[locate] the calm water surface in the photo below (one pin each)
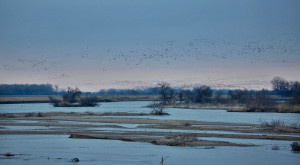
(176, 114)
(36, 149)
(59, 149)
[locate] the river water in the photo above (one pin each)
(175, 113)
(59, 149)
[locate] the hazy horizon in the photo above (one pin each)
(137, 43)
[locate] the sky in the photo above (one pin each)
(101, 44)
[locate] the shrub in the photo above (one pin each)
(187, 124)
(157, 108)
(295, 146)
(9, 154)
(180, 140)
(72, 95)
(29, 114)
(75, 160)
(40, 115)
(89, 101)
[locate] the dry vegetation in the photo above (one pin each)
(280, 126)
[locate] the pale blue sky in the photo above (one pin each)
(95, 44)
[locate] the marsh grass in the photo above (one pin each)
(279, 125)
(180, 140)
(288, 108)
(187, 124)
(29, 114)
(7, 115)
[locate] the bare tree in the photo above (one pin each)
(202, 94)
(281, 86)
(241, 96)
(295, 91)
(188, 96)
(72, 95)
(158, 108)
(262, 100)
(166, 92)
(218, 96)
(181, 95)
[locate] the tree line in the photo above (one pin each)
(257, 98)
(28, 89)
(167, 93)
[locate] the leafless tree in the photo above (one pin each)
(157, 108)
(295, 92)
(281, 86)
(166, 92)
(181, 96)
(202, 94)
(72, 95)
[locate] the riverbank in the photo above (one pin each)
(280, 108)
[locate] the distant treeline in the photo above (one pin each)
(48, 89)
(28, 89)
(281, 87)
(129, 92)
(152, 91)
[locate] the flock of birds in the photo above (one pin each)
(174, 53)
(203, 50)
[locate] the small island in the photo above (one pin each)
(72, 98)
